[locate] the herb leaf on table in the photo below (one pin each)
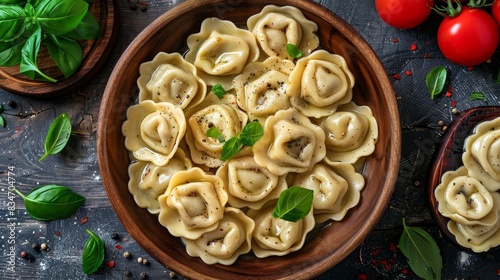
(93, 253)
(421, 252)
(57, 136)
(435, 80)
(51, 202)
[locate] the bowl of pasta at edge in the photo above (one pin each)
(324, 247)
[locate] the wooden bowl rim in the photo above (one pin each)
(395, 139)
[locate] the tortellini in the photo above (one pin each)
(193, 203)
(319, 83)
(291, 143)
(469, 196)
(313, 136)
(148, 181)
(248, 184)
(220, 51)
(275, 27)
(275, 236)
(153, 131)
(351, 133)
(336, 189)
(228, 119)
(232, 238)
(481, 156)
(261, 89)
(170, 78)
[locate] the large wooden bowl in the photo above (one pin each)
(328, 246)
(95, 54)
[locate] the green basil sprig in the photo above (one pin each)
(421, 252)
(219, 91)
(51, 202)
(294, 204)
(435, 80)
(214, 132)
(58, 135)
(293, 51)
(93, 253)
(477, 95)
(57, 24)
(250, 134)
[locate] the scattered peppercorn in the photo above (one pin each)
(43, 246)
(144, 275)
(395, 40)
(24, 254)
(111, 264)
(145, 261)
(445, 128)
(115, 236)
(139, 260)
(127, 273)
(172, 275)
(133, 6)
(441, 123)
(144, 8)
(127, 254)
(35, 246)
(454, 111)
(417, 183)
(57, 233)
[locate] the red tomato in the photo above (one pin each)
(404, 14)
(468, 39)
(495, 11)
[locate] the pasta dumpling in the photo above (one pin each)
(351, 133)
(275, 27)
(481, 154)
(248, 184)
(220, 51)
(148, 181)
(225, 243)
(193, 203)
(275, 236)
(319, 83)
(465, 200)
(170, 78)
(153, 131)
(291, 143)
(261, 87)
(228, 119)
(336, 189)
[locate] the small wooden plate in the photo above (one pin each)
(449, 156)
(95, 53)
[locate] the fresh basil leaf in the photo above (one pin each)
(12, 22)
(29, 52)
(58, 135)
(294, 204)
(219, 91)
(66, 53)
(88, 28)
(231, 148)
(293, 51)
(17, 2)
(421, 252)
(59, 17)
(93, 253)
(476, 95)
(2, 121)
(11, 52)
(51, 202)
(251, 133)
(435, 80)
(214, 132)
(29, 10)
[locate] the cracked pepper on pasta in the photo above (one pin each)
(468, 196)
(314, 136)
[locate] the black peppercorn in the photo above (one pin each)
(115, 236)
(144, 275)
(11, 103)
(133, 6)
(127, 273)
(144, 8)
